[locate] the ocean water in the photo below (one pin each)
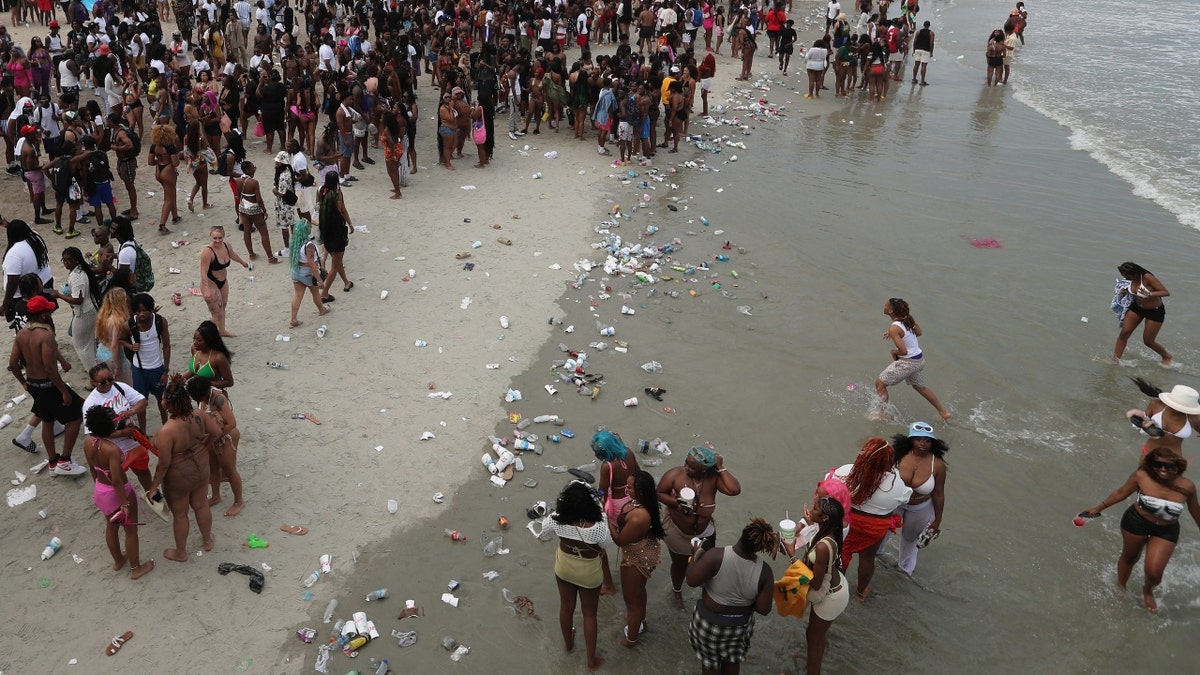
(839, 208)
(1128, 91)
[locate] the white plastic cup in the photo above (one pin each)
(787, 530)
(687, 497)
(383, 295)
(5, 421)
(631, 402)
(325, 561)
(504, 322)
(449, 599)
(393, 506)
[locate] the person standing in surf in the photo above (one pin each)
(1148, 293)
(908, 361)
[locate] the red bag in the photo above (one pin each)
(259, 130)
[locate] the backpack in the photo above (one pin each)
(143, 269)
(98, 169)
(695, 17)
(135, 335)
(133, 138)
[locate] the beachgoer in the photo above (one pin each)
(582, 531)
(1147, 292)
(921, 463)
(736, 585)
(164, 159)
(1169, 417)
(908, 361)
(703, 474)
(252, 212)
(112, 494)
(335, 228)
(223, 461)
(112, 326)
(34, 362)
(126, 403)
(1151, 523)
(210, 357)
(84, 299)
(786, 45)
(1010, 48)
(150, 345)
(876, 492)
(922, 53)
(305, 261)
(617, 463)
(994, 53)
(637, 529)
(183, 445)
(816, 60)
(828, 593)
(214, 277)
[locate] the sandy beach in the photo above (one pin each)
(829, 210)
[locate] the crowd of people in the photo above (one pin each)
(890, 486)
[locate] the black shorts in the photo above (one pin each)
(1158, 314)
(646, 32)
(48, 404)
(1136, 524)
(995, 61)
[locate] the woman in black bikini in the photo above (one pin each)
(253, 213)
(213, 277)
(1148, 293)
(164, 157)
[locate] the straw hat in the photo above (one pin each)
(1182, 398)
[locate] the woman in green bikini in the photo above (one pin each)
(210, 356)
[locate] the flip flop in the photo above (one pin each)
(294, 529)
(117, 642)
(655, 392)
(582, 475)
(255, 541)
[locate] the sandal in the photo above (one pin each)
(118, 642)
(72, 234)
(349, 288)
(655, 392)
(294, 529)
(255, 541)
(273, 260)
(58, 229)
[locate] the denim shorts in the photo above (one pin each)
(148, 381)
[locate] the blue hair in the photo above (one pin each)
(608, 447)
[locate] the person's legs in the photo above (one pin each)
(199, 503)
(933, 400)
(817, 638)
(228, 466)
(247, 223)
(260, 224)
(137, 568)
(1131, 551)
(179, 526)
(633, 589)
(1158, 554)
(297, 296)
(1149, 333)
(113, 541)
(1128, 325)
(866, 570)
(679, 565)
(566, 612)
(589, 600)
(315, 291)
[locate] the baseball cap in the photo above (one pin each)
(38, 304)
(54, 24)
(104, 50)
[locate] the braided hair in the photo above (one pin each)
(759, 537)
(901, 313)
(874, 461)
(644, 492)
(175, 398)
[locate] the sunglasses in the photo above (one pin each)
(1165, 466)
(922, 427)
(110, 380)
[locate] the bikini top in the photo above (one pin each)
(1163, 509)
(1184, 432)
(931, 482)
(107, 475)
(205, 370)
(216, 265)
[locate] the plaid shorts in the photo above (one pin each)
(716, 644)
(127, 169)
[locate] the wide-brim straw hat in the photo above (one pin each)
(1182, 398)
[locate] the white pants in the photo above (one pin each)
(83, 336)
(915, 520)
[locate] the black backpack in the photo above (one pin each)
(135, 334)
(134, 139)
(98, 168)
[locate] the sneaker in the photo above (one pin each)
(520, 133)
(69, 468)
(31, 447)
(512, 135)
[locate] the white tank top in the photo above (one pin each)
(910, 342)
(66, 77)
(149, 354)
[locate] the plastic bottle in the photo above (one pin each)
(522, 444)
(462, 651)
(329, 610)
(322, 330)
(277, 365)
(524, 423)
(43, 514)
(489, 463)
(51, 548)
(337, 630)
(312, 579)
(377, 594)
(651, 461)
(283, 338)
(382, 668)
(455, 535)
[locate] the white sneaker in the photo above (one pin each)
(71, 468)
(512, 135)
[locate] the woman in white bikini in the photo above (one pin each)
(920, 461)
(1169, 417)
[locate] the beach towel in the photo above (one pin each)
(1121, 301)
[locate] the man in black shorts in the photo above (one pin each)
(36, 349)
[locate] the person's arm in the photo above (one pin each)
(50, 357)
(130, 413)
(116, 474)
(1193, 505)
(702, 566)
(165, 339)
(163, 442)
(1156, 287)
(939, 494)
(235, 257)
(205, 262)
(220, 403)
(222, 373)
(665, 487)
(637, 524)
(726, 483)
(345, 216)
(14, 365)
(931, 43)
(766, 591)
(1116, 496)
(312, 263)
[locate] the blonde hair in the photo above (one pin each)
(113, 313)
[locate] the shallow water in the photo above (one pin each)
(835, 218)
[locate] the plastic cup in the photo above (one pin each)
(787, 530)
(325, 560)
(631, 402)
(393, 506)
(5, 421)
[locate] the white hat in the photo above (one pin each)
(283, 158)
(1183, 399)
